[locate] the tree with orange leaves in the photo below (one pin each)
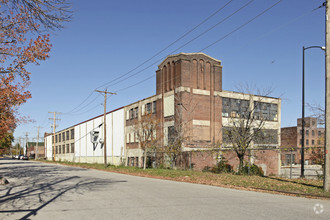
(24, 40)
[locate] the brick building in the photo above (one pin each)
(189, 94)
(33, 150)
(291, 140)
(189, 108)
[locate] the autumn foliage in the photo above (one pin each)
(21, 43)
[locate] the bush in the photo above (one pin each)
(252, 170)
(220, 167)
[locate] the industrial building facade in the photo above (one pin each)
(291, 139)
(190, 103)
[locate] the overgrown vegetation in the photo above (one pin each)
(252, 170)
(221, 167)
(296, 186)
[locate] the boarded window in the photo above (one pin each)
(148, 108)
(235, 108)
(154, 107)
(265, 111)
(267, 136)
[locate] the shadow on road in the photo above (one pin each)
(34, 186)
(292, 181)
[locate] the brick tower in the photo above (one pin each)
(189, 85)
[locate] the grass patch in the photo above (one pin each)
(294, 186)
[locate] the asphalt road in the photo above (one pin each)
(46, 191)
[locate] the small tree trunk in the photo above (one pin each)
(241, 162)
(145, 159)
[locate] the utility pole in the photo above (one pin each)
(26, 143)
(105, 92)
(18, 151)
(54, 128)
(326, 183)
(37, 147)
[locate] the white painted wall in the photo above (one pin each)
(48, 147)
(86, 151)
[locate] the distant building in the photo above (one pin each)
(291, 141)
(33, 150)
(188, 91)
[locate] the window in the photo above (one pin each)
(67, 135)
(67, 148)
(319, 133)
(72, 148)
(313, 133)
(131, 113)
(307, 142)
(313, 142)
(63, 136)
(307, 132)
(136, 114)
(59, 137)
(59, 149)
(55, 138)
(63, 149)
(56, 149)
(148, 108)
(265, 111)
(318, 142)
(72, 134)
(235, 108)
(170, 134)
(267, 136)
(154, 107)
(137, 161)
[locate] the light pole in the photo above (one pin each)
(302, 175)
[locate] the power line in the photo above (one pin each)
(81, 103)
(150, 77)
(209, 29)
(178, 39)
(88, 104)
(181, 37)
(241, 26)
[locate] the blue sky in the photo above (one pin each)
(107, 39)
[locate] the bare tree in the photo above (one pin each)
(145, 133)
(24, 25)
(318, 112)
(246, 125)
(50, 14)
(178, 134)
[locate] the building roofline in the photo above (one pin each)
(94, 118)
(102, 115)
(290, 127)
(188, 54)
(251, 94)
(140, 100)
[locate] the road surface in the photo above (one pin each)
(47, 191)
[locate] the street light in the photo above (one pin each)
(302, 175)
